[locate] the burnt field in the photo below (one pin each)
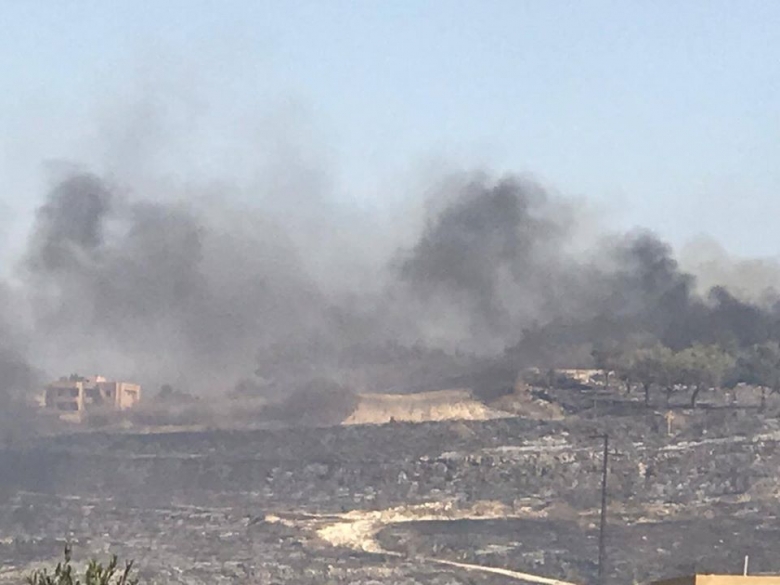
(394, 503)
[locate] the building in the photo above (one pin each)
(72, 397)
(722, 580)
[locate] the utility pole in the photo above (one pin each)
(603, 524)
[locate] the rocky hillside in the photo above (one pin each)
(516, 494)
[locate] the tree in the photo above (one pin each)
(759, 365)
(624, 369)
(95, 573)
(702, 366)
(624, 359)
(649, 366)
(606, 357)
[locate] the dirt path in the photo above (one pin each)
(527, 577)
(357, 530)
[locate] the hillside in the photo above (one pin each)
(405, 502)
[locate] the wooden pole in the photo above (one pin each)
(603, 523)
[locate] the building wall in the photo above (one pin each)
(65, 396)
(109, 392)
(127, 395)
(75, 397)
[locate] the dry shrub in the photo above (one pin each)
(19, 422)
(246, 411)
(161, 415)
(102, 419)
(319, 402)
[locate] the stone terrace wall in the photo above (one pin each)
(376, 467)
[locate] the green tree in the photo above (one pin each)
(759, 365)
(649, 366)
(626, 355)
(94, 573)
(624, 369)
(702, 366)
(606, 357)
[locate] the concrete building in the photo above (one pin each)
(72, 397)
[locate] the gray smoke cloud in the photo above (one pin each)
(203, 292)
(750, 279)
(499, 253)
(17, 375)
(171, 288)
(488, 240)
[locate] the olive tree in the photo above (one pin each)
(648, 366)
(606, 357)
(759, 365)
(702, 366)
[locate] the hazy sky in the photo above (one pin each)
(664, 113)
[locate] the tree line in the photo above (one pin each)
(694, 369)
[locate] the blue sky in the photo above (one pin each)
(664, 114)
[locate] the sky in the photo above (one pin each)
(658, 113)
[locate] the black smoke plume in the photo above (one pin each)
(163, 287)
(200, 294)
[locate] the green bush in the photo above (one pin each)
(95, 573)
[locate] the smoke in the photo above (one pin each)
(203, 291)
(499, 256)
(186, 292)
(749, 279)
(70, 223)
(488, 247)
(17, 375)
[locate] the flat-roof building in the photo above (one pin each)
(72, 397)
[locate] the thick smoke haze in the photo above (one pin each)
(203, 292)
(489, 254)
(750, 279)
(162, 290)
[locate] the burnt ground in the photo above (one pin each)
(251, 506)
(565, 550)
